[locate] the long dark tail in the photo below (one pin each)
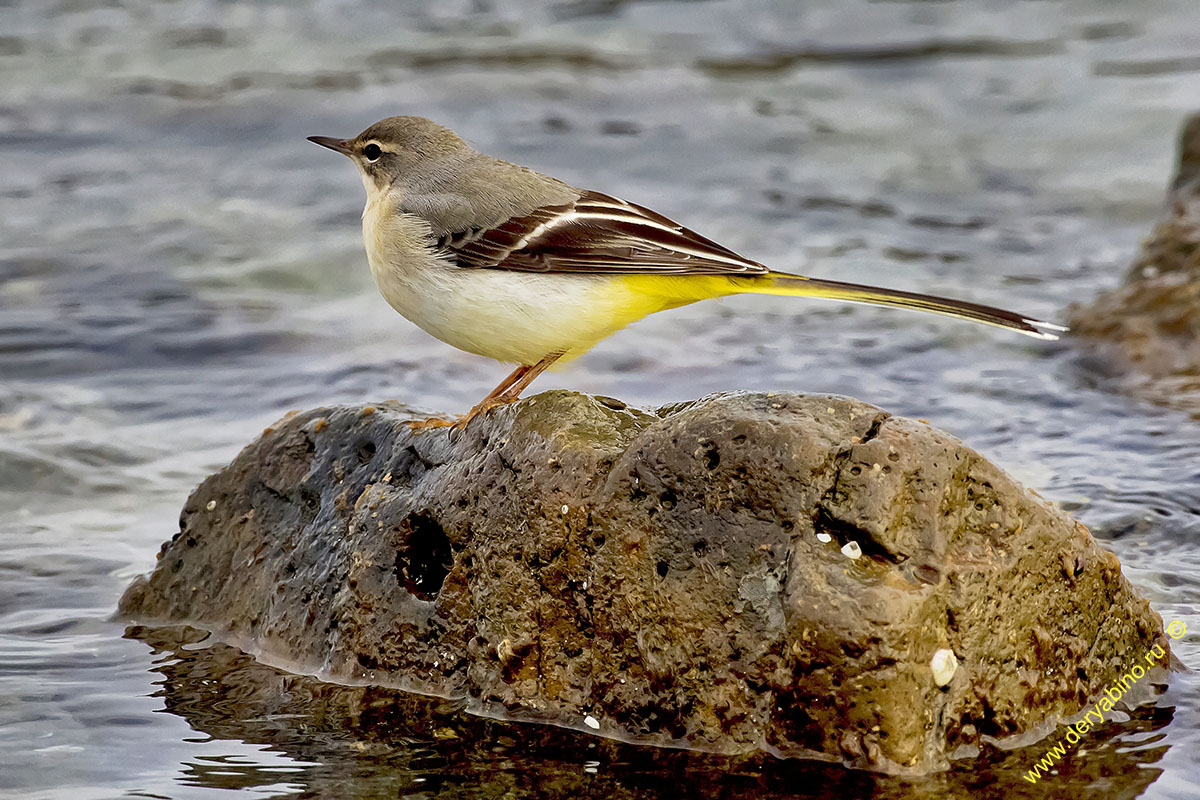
(783, 283)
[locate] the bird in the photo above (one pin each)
(500, 260)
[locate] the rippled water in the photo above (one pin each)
(178, 267)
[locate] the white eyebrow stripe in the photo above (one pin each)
(573, 215)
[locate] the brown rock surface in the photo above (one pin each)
(1149, 327)
(662, 577)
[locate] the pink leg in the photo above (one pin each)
(509, 391)
(489, 401)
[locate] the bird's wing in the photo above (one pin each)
(595, 234)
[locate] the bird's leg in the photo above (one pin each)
(513, 392)
(509, 391)
(487, 402)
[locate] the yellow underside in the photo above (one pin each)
(627, 298)
(647, 294)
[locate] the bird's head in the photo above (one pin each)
(397, 147)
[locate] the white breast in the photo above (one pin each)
(509, 316)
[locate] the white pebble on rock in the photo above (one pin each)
(944, 664)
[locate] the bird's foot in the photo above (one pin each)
(415, 425)
(461, 422)
(483, 408)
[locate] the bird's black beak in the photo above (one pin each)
(340, 145)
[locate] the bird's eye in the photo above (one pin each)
(372, 152)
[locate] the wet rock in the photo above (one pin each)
(678, 577)
(1148, 329)
(386, 744)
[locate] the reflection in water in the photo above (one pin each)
(373, 742)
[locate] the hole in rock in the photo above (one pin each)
(311, 500)
(844, 532)
(423, 555)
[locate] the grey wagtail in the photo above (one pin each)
(498, 260)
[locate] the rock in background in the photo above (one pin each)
(1148, 329)
(744, 573)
